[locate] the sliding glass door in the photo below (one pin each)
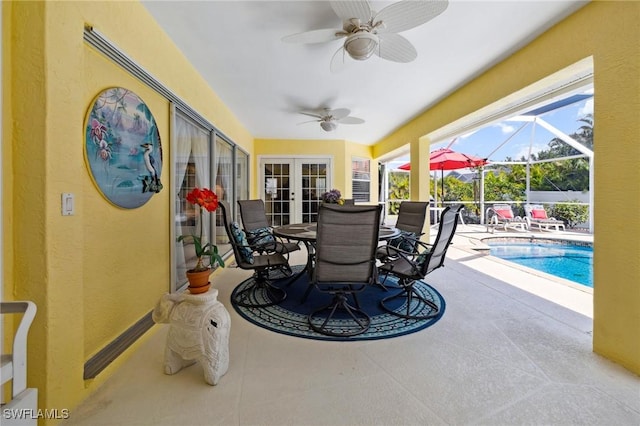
(202, 158)
(191, 165)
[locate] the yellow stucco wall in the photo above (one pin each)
(68, 264)
(104, 260)
(609, 33)
(93, 274)
(616, 52)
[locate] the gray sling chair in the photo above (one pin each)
(410, 222)
(346, 243)
(410, 267)
(257, 229)
(262, 293)
(411, 217)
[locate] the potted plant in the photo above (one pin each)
(203, 199)
(332, 197)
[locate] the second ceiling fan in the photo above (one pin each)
(329, 118)
(367, 32)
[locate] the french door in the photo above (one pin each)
(291, 188)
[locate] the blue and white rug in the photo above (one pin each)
(290, 316)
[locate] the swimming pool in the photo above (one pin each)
(566, 260)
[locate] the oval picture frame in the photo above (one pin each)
(122, 150)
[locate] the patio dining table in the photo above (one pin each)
(307, 234)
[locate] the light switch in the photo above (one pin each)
(67, 204)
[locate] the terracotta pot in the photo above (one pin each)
(199, 290)
(199, 281)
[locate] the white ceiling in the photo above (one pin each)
(236, 46)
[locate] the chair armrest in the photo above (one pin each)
(19, 350)
(403, 256)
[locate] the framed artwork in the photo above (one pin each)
(122, 148)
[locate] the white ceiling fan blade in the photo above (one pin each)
(338, 62)
(352, 9)
(405, 15)
(351, 120)
(315, 36)
(310, 121)
(311, 114)
(339, 113)
(394, 47)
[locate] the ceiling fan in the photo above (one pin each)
(368, 32)
(329, 118)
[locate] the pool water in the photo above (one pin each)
(567, 261)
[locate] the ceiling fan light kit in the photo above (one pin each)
(361, 45)
(328, 126)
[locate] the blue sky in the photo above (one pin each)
(486, 142)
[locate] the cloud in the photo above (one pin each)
(586, 109)
(505, 128)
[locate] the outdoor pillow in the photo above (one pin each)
(538, 214)
(504, 213)
(421, 259)
(261, 237)
(245, 252)
(405, 241)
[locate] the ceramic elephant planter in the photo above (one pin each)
(198, 332)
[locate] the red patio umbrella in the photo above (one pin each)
(447, 159)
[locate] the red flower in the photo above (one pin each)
(207, 200)
(204, 198)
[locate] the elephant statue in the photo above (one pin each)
(199, 327)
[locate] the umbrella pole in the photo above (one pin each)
(442, 183)
(435, 190)
(482, 218)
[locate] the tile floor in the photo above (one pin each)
(512, 348)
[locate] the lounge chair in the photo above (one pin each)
(536, 216)
(500, 216)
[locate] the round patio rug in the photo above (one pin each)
(290, 316)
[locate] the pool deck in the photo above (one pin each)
(469, 250)
(472, 236)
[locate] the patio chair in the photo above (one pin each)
(536, 215)
(14, 364)
(409, 268)
(500, 216)
(257, 229)
(346, 243)
(411, 217)
(262, 293)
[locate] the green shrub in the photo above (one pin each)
(571, 214)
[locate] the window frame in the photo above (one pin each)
(357, 175)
